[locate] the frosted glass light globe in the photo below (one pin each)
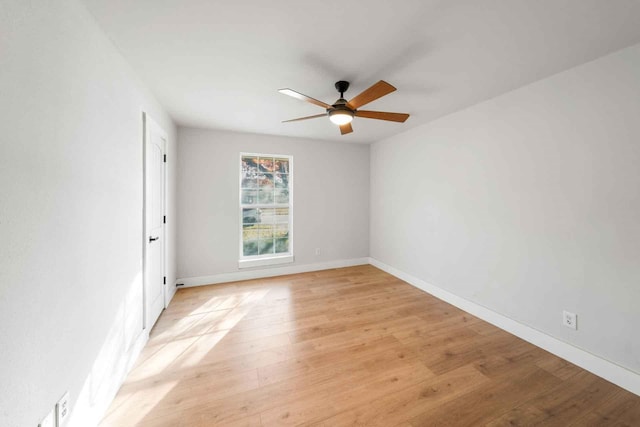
(341, 117)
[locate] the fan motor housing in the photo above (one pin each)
(340, 105)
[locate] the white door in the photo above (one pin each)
(155, 142)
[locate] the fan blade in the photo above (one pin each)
(302, 97)
(381, 115)
(345, 129)
(376, 91)
(305, 118)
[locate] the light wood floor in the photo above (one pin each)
(352, 346)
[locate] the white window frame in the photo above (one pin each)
(268, 259)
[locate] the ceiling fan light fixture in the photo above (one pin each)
(340, 117)
(342, 111)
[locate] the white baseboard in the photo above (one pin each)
(269, 272)
(610, 371)
(170, 293)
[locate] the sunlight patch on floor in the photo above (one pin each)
(139, 404)
(185, 337)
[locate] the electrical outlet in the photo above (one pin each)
(317, 251)
(62, 409)
(48, 421)
(570, 320)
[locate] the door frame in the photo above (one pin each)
(147, 125)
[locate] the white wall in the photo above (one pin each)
(527, 204)
(331, 199)
(70, 210)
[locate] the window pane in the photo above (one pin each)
(249, 197)
(281, 215)
(250, 182)
(249, 167)
(250, 216)
(266, 231)
(281, 230)
(267, 215)
(250, 232)
(265, 196)
(265, 180)
(281, 180)
(281, 165)
(250, 248)
(266, 164)
(265, 246)
(281, 196)
(249, 172)
(282, 245)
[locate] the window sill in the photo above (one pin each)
(248, 263)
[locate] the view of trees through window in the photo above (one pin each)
(265, 205)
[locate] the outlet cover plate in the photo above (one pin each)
(570, 320)
(62, 409)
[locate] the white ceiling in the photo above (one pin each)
(219, 64)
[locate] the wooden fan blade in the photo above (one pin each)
(345, 129)
(376, 91)
(302, 97)
(305, 118)
(381, 115)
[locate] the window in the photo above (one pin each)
(265, 209)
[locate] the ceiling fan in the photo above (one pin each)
(342, 111)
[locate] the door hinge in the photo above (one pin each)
(164, 159)
(164, 219)
(164, 280)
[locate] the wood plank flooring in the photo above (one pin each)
(347, 347)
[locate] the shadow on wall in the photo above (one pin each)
(123, 343)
